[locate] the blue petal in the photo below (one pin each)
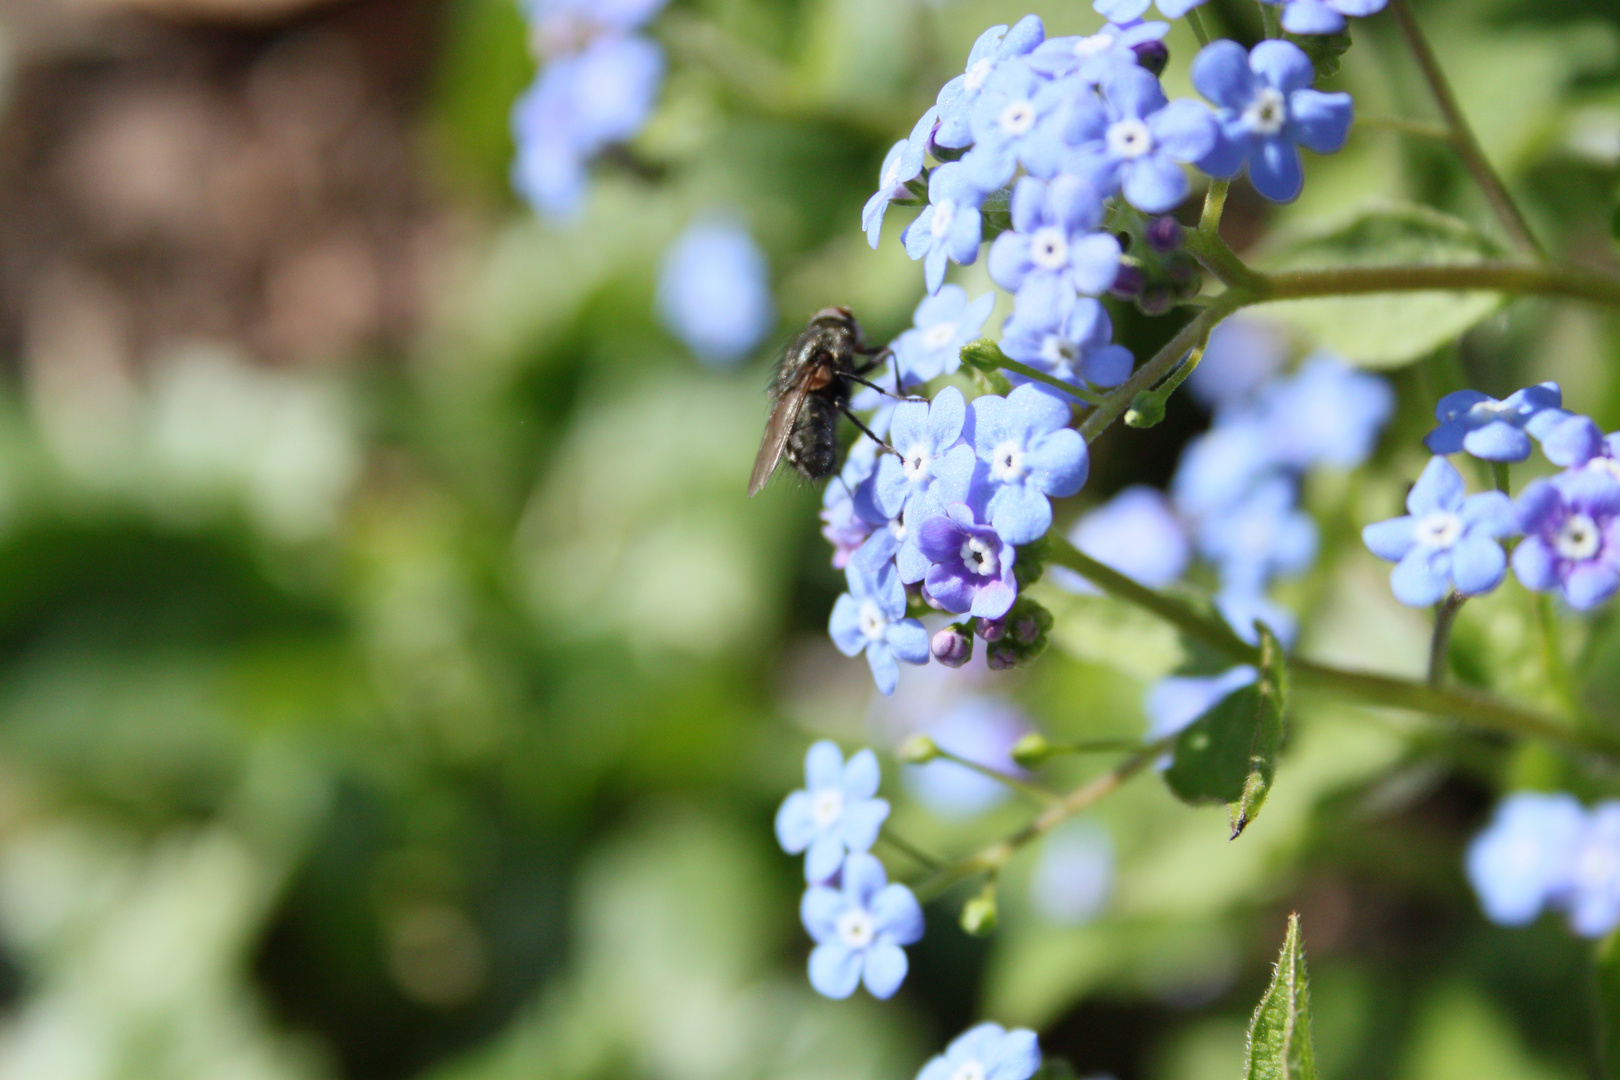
(860, 778)
(1275, 169)
(1419, 579)
(1535, 565)
(1478, 564)
(1016, 1058)
(1020, 514)
(824, 859)
(1438, 487)
(1590, 584)
(897, 916)
(1058, 463)
(1311, 17)
(862, 822)
(1391, 539)
(1497, 441)
(1490, 513)
(1573, 442)
(885, 673)
(1184, 129)
(1282, 65)
(1320, 122)
(885, 969)
(835, 969)
(1154, 183)
(795, 829)
(1094, 262)
(909, 641)
(1221, 73)
(819, 911)
(823, 765)
(1120, 11)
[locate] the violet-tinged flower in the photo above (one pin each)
(1079, 349)
(957, 97)
(1121, 10)
(972, 571)
(942, 324)
(1074, 874)
(1495, 430)
(980, 728)
(859, 929)
(714, 291)
(1012, 125)
(1326, 413)
(842, 527)
(1524, 859)
(903, 162)
(1575, 442)
(1323, 16)
(1242, 354)
(986, 1052)
(871, 617)
(1594, 874)
(835, 813)
(896, 541)
(1030, 453)
(1137, 533)
(1571, 526)
(929, 457)
(1446, 540)
(1135, 140)
(948, 227)
(1055, 251)
(1260, 537)
(1089, 58)
(1267, 111)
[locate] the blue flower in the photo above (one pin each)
(1030, 453)
(1575, 442)
(1090, 58)
(1523, 860)
(948, 227)
(1074, 874)
(1327, 413)
(859, 930)
(1012, 125)
(871, 617)
(1054, 251)
(1495, 430)
(1267, 110)
(1244, 603)
(848, 521)
(1323, 16)
(987, 1052)
(930, 459)
(1262, 536)
(1446, 540)
(565, 25)
(1134, 139)
(835, 813)
(714, 291)
(1219, 466)
(957, 97)
(896, 542)
(972, 567)
(1123, 10)
(1594, 876)
(1078, 349)
(1571, 526)
(942, 324)
(978, 727)
(549, 169)
(1137, 533)
(1242, 354)
(903, 162)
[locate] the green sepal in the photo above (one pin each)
(1325, 50)
(1031, 562)
(1280, 1045)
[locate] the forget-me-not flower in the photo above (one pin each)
(896, 542)
(1571, 526)
(1089, 58)
(972, 567)
(1055, 251)
(1137, 533)
(1135, 140)
(1326, 413)
(986, 1052)
(1576, 442)
(930, 457)
(871, 618)
(714, 291)
(847, 510)
(1218, 467)
(1123, 10)
(957, 97)
(1267, 111)
(1495, 430)
(1241, 356)
(859, 929)
(1074, 874)
(1261, 536)
(903, 162)
(941, 325)
(835, 813)
(1524, 859)
(948, 227)
(1594, 877)
(1029, 453)
(1448, 539)
(1323, 16)
(1077, 349)
(1012, 125)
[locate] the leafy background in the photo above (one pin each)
(395, 683)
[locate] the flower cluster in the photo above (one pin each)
(1546, 851)
(1298, 16)
(1567, 525)
(595, 88)
(858, 920)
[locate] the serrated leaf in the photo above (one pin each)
(1608, 1003)
(1280, 1033)
(1387, 330)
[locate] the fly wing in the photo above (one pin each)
(777, 430)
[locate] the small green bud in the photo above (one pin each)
(1031, 750)
(982, 355)
(917, 750)
(1147, 410)
(979, 913)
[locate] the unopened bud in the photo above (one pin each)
(1156, 300)
(1001, 655)
(979, 913)
(1031, 750)
(1153, 55)
(1128, 282)
(951, 647)
(1164, 234)
(1147, 410)
(991, 629)
(1025, 630)
(917, 750)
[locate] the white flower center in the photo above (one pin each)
(1058, 350)
(1491, 410)
(1439, 529)
(980, 557)
(855, 928)
(972, 1069)
(1087, 47)
(916, 462)
(1267, 113)
(939, 335)
(944, 215)
(826, 807)
(1049, 248)
(1129, 139)
(1578, 538)
(1017, 118)
(873, 621)
(975, 76)
(1007, 463)
(1606, 464)
(897, 529)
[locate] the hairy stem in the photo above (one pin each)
(1162, 363)
(910, 850)
(1445, 615)
(1007, 363)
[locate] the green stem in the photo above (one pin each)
(910, 850)
(1024, 787)
(1422, 129)
(1445, 616)
(1099, 746)
(1007, 363)
(1499, 476)
(1214, 205)
(1462, 136)
(1552, 651)
(1162, 363)
(1208, 248)
(1271, 20)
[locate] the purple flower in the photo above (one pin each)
(1445, 540)
(1575, 442)
(972, 571)
(836, 811)
(1090, 58)
(957, 97)
(1523, 860)
(930, 459)
(1078, 349)
(1134, 139)
(1030, 453)
(1260, 537)
(1012, 124)
(1571, 526)
(871, 617)
(859, 930)
(1137, 533)
(714, 291)
(903, 162)
(1267, 111)
(1495, 430)
(948, 227)
(1323, 16)
(942, 324)
(1054, 251)
(844, 528)
(987, 1052)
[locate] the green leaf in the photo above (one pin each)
(1280, 1033)
(1273, 690)
(1387, 330)
(1608, 1003)
(1324, 50)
